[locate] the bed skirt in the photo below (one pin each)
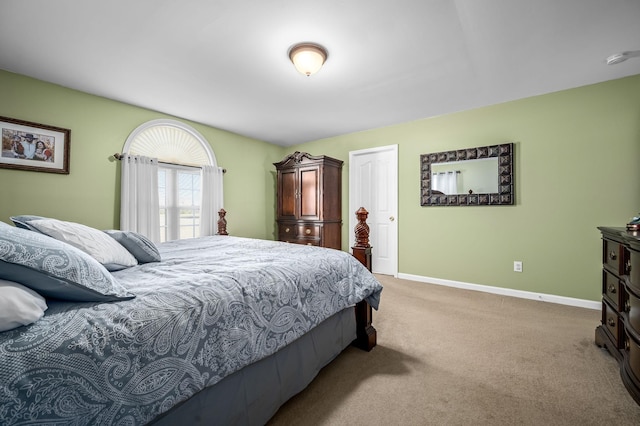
(252, 395)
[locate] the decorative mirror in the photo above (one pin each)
(480, 176)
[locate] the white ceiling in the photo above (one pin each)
(224, 63)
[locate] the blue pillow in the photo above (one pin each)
(22, 221)
(141, 247)
(54, 268)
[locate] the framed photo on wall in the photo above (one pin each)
(33, 146)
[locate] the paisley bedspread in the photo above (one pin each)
(212, 306)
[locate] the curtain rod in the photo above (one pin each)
(118, 156)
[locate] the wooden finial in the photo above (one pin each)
(362, 229)
(222, 223)
(366, 334)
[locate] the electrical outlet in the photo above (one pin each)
(517, 266)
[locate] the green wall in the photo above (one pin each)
(576, 169)
(99, 128)
(577, 155)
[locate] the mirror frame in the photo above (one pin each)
(506, 185)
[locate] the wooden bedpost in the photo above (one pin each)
(222, 222)
(366, 335)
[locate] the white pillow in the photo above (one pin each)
(95, 243)
(19, 305)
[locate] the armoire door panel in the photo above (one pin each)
(309, 208)
(288, 194)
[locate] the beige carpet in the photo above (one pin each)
(457, 357)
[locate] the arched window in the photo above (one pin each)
(183, 155)
(170, 141)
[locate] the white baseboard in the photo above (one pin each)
(590, 304)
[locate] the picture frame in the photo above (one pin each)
(34, 147)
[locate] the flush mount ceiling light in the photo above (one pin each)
(623, 56)
(308, 58)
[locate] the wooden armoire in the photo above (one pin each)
(309, 200)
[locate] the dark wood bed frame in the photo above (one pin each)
(366, 335)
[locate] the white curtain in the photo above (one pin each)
(139, 205)
(446, 182)
(212, 199)
(451, 183)
(435, 182)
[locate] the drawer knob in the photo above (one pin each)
(611, 322)
(628, 266)
(626, 344)
(307, 231)
(612, 289)
(286, 229)
(612, 255)
(627, 306)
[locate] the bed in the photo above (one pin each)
(212, 330)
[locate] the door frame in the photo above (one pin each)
(394, 203)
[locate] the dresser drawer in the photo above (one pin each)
(613, 324)
(612, 256)
(309, 231)
(633, 353)
(632, 268)
(612, 289)
(287, 231)
(308, 234)
(633, 312)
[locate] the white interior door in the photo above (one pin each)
(373, 184)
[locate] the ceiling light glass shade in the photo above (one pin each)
(308, 58)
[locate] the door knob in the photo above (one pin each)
(391, 218)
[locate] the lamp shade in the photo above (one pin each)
(308, 58)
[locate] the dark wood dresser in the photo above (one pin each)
(619, 331)
(309, 200)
